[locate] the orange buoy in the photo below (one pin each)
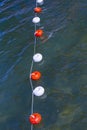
(35, 75)
(35, 118)
(39, 33)
(37, 10)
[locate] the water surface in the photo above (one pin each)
(64, 70)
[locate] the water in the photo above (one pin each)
(64, 73)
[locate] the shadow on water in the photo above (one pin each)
(64, 71)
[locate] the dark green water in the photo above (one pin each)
(64, 70)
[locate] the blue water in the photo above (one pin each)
(64, 69)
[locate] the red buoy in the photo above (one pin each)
(35, 118)
(35, 75)
(38, 33)
(37, 10)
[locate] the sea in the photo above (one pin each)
(63, 69)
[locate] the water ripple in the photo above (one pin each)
(19, 12)
(9, 70)
(9, 5)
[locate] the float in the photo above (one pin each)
(35, 117)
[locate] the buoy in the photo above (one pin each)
(40, 2)
(36, 20)
(39, 33)
(37, 10)
(35, 118)
(36, 75)
(38, 91)
(37, 57)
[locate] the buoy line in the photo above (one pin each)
(35, 117)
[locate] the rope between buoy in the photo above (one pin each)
(31, 127)
(31, 68)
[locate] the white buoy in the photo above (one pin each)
(36, 20)
(40, 2)
(37, 57)
(38, 91)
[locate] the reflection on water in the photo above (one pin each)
(64, 75)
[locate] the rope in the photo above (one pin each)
(31, 68)
(31, 84)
